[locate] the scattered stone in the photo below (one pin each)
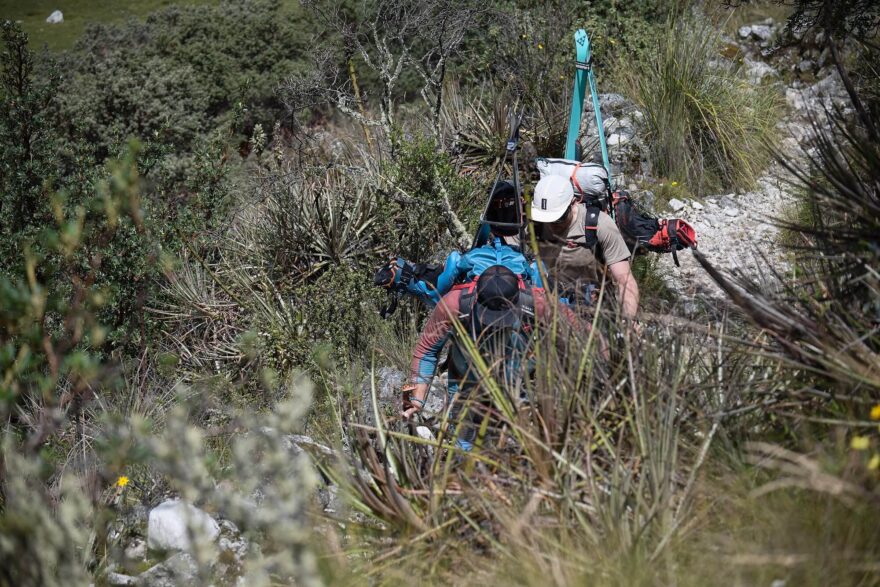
(675, 204)
(831, 86)
(744, 32)
(618, 139)
(137, 551)
(610, 125)
(329, 498)
(806, 66)
(120, 579)
(795, 99)
(297, 443)
(180, 569)
(697, 205)
(727, 201)
(761, 32)
(171, 523)
(57, 17)
(758, 70)
(611, 101)
(731, 212)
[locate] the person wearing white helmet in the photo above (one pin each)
(577, 242)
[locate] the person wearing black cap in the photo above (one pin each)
(498, 312)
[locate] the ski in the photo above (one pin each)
(582, 62)
(584, 76)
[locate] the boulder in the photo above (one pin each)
(744, 32)
(172, 522)
(57, 17)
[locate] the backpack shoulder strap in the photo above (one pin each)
(466, 301)
(527, 304)
(591, 227)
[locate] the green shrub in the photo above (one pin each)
(424, 199)
(180, 74)
(706, 124)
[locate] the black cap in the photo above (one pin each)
(503, 208)
(497, 297)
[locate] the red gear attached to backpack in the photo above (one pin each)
(642, 231)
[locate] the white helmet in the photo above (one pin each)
(553, 196)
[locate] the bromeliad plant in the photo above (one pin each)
(597, 468)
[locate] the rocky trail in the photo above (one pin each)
(739, 232)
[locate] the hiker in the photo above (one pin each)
(497, 244)
(498, 311)
(577, 240)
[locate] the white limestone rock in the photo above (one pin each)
(57, 17)
(675, 204)
(171, 523)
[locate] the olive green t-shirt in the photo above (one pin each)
(570, 264)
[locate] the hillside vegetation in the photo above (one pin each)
(191, 210)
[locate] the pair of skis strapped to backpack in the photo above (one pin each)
(584, 76)
(640, 231)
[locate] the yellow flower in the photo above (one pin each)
(540, 46)
(859, 443)
(122, 481)
(612, 41)
(875, 412)
(874, 463)
(674, 183)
